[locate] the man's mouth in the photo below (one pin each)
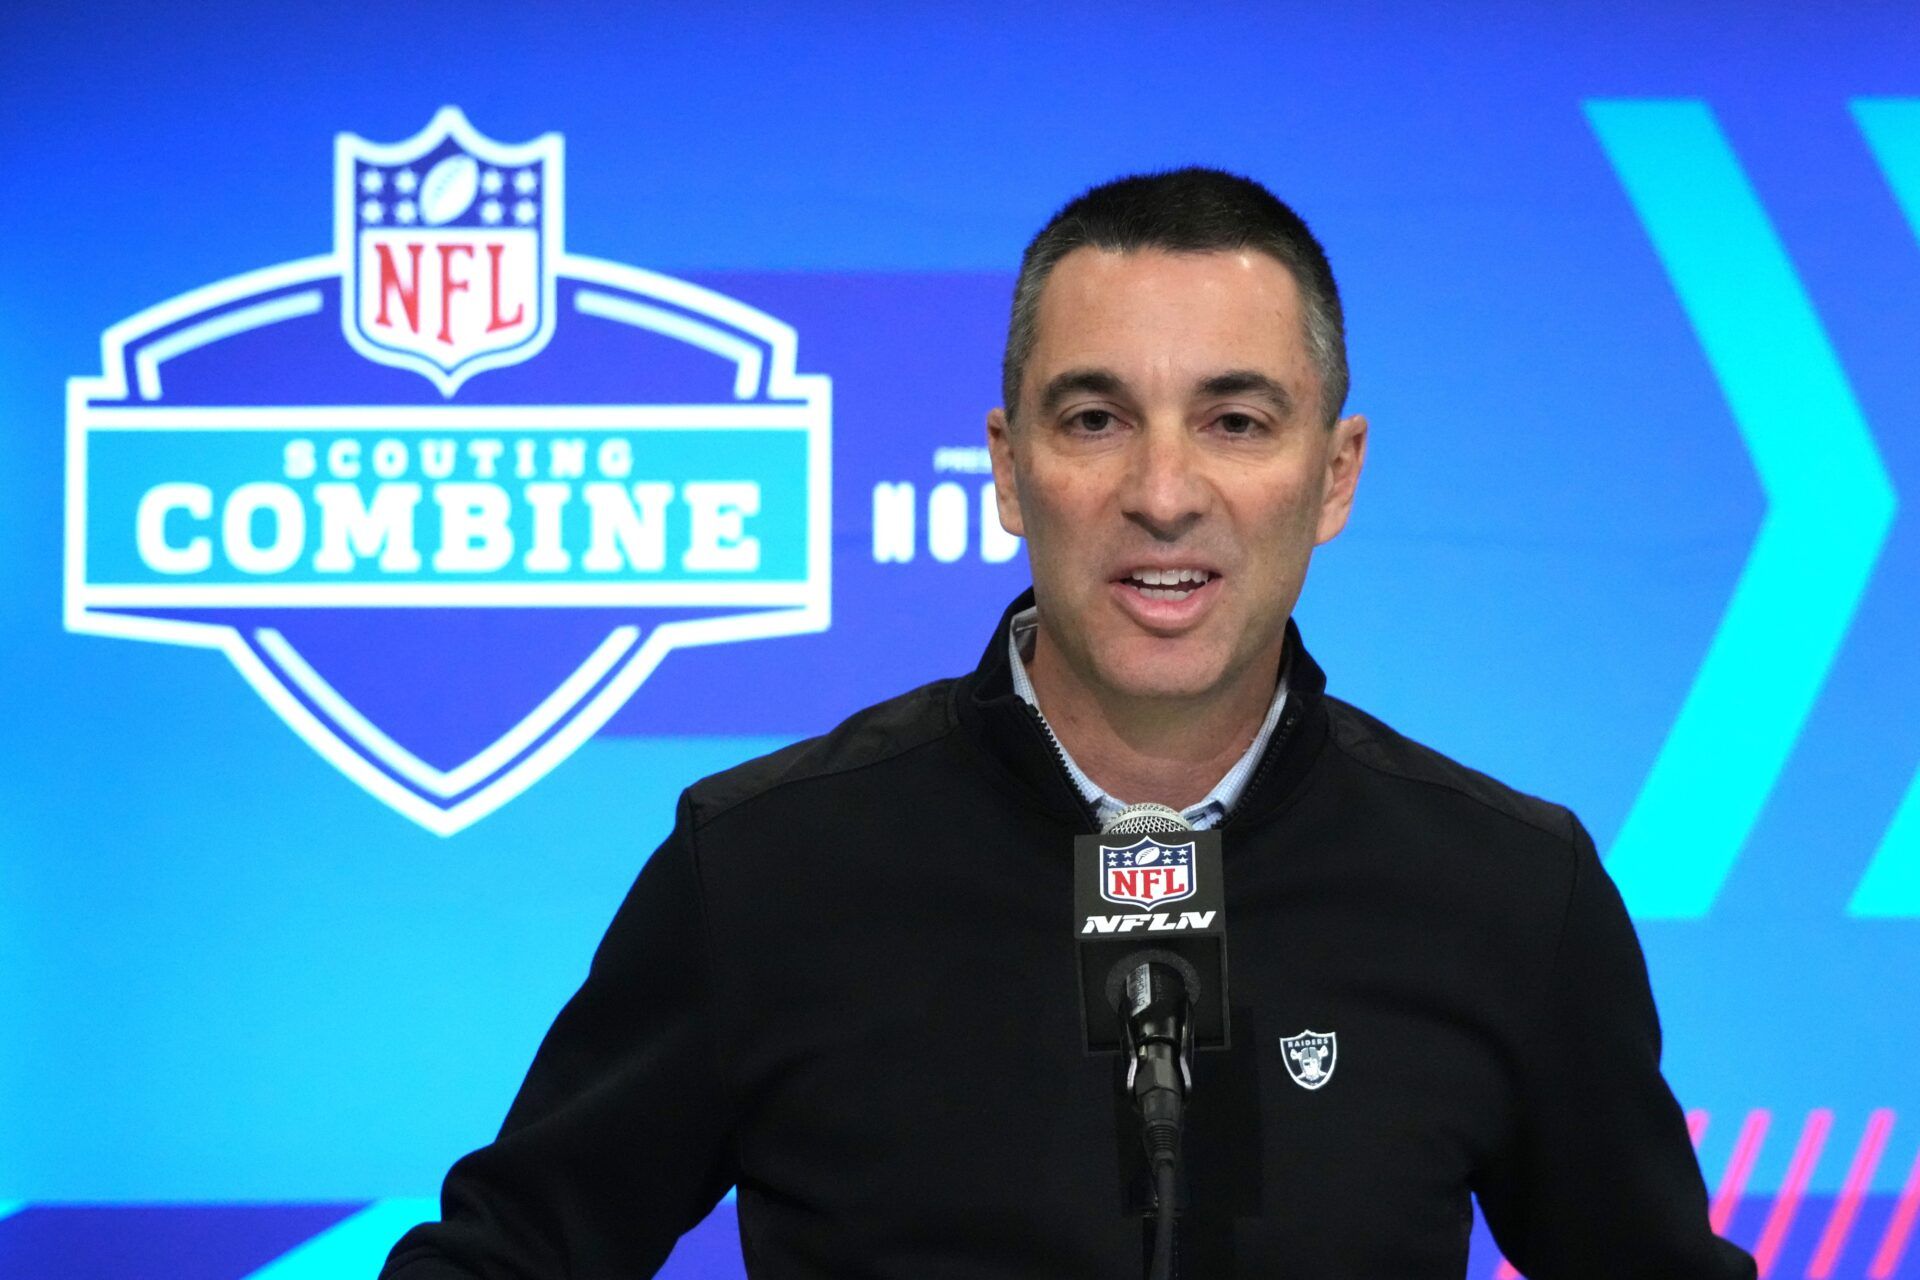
(1167, 584)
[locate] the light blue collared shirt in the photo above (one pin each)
(1211, 810)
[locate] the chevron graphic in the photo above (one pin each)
(354, 1247)
(1830, 505)
(1891, 886)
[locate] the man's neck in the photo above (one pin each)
(1169, 750)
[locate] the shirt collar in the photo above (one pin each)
(1211, 810)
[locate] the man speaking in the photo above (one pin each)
(848, 981)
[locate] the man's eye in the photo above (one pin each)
(1239, 424)
(1091, 420)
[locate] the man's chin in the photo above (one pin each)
(1159, 671)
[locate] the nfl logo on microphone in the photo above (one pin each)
(1147, 873)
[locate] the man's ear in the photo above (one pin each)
(1346, 454)
(1006, 494)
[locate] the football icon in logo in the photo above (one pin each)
(449, 189)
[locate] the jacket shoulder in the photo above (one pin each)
(1374, 745)
(867, 737)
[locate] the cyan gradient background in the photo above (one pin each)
(228, 974)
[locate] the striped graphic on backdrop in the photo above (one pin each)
(1854, 1234)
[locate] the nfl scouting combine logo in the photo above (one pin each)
(447, 495)
(1146, 873)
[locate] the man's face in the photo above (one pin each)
(1169, 468)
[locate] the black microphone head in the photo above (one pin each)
(1145, 820)
(1118, 997)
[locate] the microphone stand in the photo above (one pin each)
(1159, 1045)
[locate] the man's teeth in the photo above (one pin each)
(1168, 584)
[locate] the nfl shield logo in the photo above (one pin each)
(1310, 1057)
(1147, 873)
(450, 241)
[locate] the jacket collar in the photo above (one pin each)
(1003, 726)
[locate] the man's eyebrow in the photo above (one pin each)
(1248, 382)
(1099, 382)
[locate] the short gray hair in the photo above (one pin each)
(1189, 210)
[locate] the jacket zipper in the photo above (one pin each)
(1282, 733)
(1060, 762)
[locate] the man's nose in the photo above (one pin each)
(1164, 493)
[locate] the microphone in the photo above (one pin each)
(1153, 999)
(1148, 889)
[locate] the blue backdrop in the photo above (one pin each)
(292, 879)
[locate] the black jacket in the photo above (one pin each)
(846, 982)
